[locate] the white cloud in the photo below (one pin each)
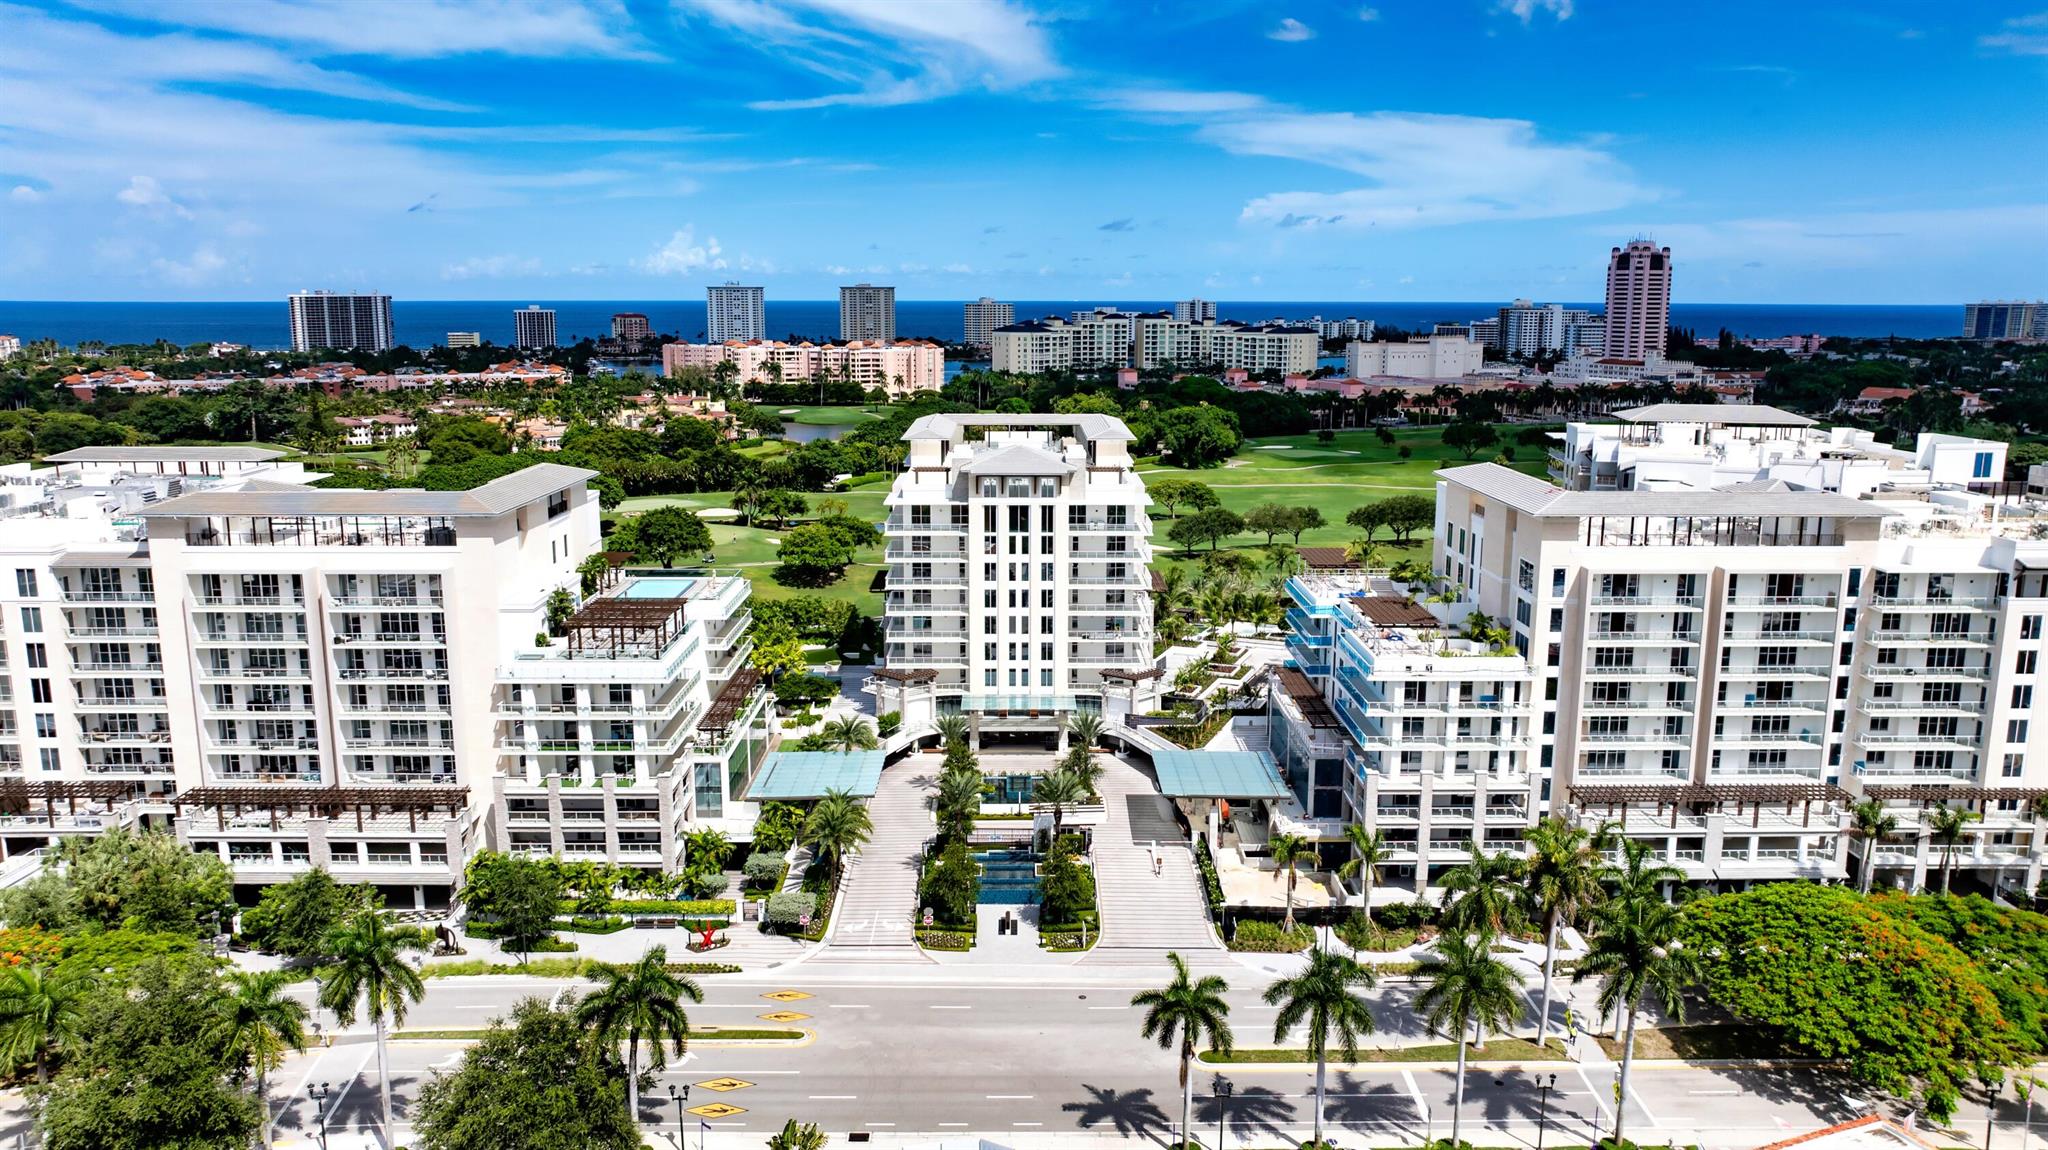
(1525, 10)
(1368, 15)
(205, 265)
(2019, 36)
(682, 254)
(1179, 102)
(145, 193)
(1871, 239)
(413, 29)
(1426, 170)
(836, 270)
(960, 269)
(1291, 31)
(491, 267)
(880, 53)
(23, 194)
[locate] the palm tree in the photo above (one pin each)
(40, 1010)
(1189, 1010)
(1059, 789)
(1945, 825)
(1369, 852)
(643, 1000)
(258, 1023)
(1485, 893)
(1563, 877)
(1173, 593)
(793, 1136)
(1080, 762)
(958, 802)
(1869, 822)
(1639, 877)
(837, 824)
(851, 733)
(1326, 996)
(952, 730)
(1466, 988)
(1287, 850)
(370, 973)
(1638, 950)
(1084, 728)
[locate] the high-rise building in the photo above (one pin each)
(867, 313)
(736, 311)
(1638, 301)
(533, 326)
(1109, 338)
(465, 339)
(2005, 319)
(331, 321)
(1195, 311)
(629, 325)
(982, 317)
(1432, 357)
(1530, 329)
(897, 368)
(1019, 586)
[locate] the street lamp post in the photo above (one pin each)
(320, 1092)
(1223, 1092)
(1543, 1089)
(1990, 1110)
(681, 1098)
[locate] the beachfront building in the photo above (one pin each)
(979, 318)
(897, 368)
(1018, 584)
(1109, 338)
(733, 311)
(323, 320)
(1431, 357)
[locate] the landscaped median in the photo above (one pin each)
(551, 968)
(708, 1034)
(1499, 1049)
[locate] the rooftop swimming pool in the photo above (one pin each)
(658, 587)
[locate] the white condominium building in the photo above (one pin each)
(1090, 340)
(1019, 586)
(733, 311)
(867, 313)
(1530, 330)
(533, 327)
(1106, 338)
(1431, 357)
(983, 316)
(1195, 311)
(897, 368)
(365, 681)
(329, 320)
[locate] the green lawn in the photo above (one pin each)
(825, 416)
(749, 549)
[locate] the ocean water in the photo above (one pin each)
(422, 323)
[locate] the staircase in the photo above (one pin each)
(878, 895)
(1142, 911)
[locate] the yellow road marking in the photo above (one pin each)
(724, 1084)
(718, 1110)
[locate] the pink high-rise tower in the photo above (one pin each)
(1638, 300)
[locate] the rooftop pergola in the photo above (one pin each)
(18, 796)
(329, 802)
(732, 699)
(1750, 798)
(1951, 792)
(615, 628)
(1315, 710)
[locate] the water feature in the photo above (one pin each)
(1008, 877)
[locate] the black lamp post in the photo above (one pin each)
(1990, 1110)
(1543, 1089)
(320, 1092)
(681, 1097)
(1223, 1092)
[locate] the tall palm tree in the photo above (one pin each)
(40, 1011)
(797, 1136)
(1869, 821)
(1638, 950)
(1369, 852)
(1288, 850)
(1563, 879)
(1466, 988)
(1188, 1010)
(851, 733)
(1640, 877)
(1173, 593)
(643, 1000)
(1080, 762)
(1326, 996)
(952, 730)
(1946, 825)
(1084, 728)
(957, 802)
(1484, 893)
(837, 824)
(1059, 789)
(369, 973)
(258, 1023)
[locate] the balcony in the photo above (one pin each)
(364, 674)
(1747, 637)
(1894, 739)
(120, 703)
(88, 668)
(1093, 554)
(1935, 674)
(1634, 672)
(1768, 738)
(429, 602)
(1934, 603)
(1796, 706)
(109, 596)
(1956, 638)
(1662, 635)
(906, 527)
(914, 555)
(1774, 601)
(1635, 739)
(405, 638)
(1651, 602)
(223, 674)
(225, 600)
(959, 580)
(1924, 706)
(1801, 671)
(126, 631)
(267, 638)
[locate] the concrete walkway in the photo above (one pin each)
(1144, 910)
(878, 895)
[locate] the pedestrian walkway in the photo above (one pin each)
(1144, 906)
(878, 895)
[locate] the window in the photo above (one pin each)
(38, 654)
(2026, 663)
(32, 619)
(2015, 730)
(1980, 467)
(2013, 767)
(39, 691)
(2030, 626)
(2022, 696)
(25, 582)
(46, 725)
(48, 757)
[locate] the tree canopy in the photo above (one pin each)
(1201, 436)
(535, 1083)
(292, 918)
(1173, 493)
(1211, 527)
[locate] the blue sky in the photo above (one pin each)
(1032, 149)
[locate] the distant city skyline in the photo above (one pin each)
(1017, 149)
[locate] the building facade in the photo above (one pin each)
(867, 313)
(734, 311)
(1434, 357)
(1018, 587)
(533, 328)
(1638, 301)
(1195, 311)
(2009, 319)
(897, 368)
(983, 316)
(465, 339)
(629, 325)
(330, 320)
(1530, 330)
(1109, 338)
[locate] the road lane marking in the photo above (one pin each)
(848, 1006)
(833, 1097)
(718, 1110)
(1716, 1092)
(1415, 1092)
(952, 1123)
(1008, 1097)
(949, 1008)
(1109, 1008)
(1598, 1102)
(786, 995)
(1027, 1123)
(878, 1124)
(724, 1084)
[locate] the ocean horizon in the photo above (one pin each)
(425, 323)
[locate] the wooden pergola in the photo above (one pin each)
(1751, 798)
(625, 628)
(1929, 793)
(20, 797)
(329, 802)
(731, 698)
(1315, 709)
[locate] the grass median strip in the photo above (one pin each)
(709, 1034)
(1495, 1050)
